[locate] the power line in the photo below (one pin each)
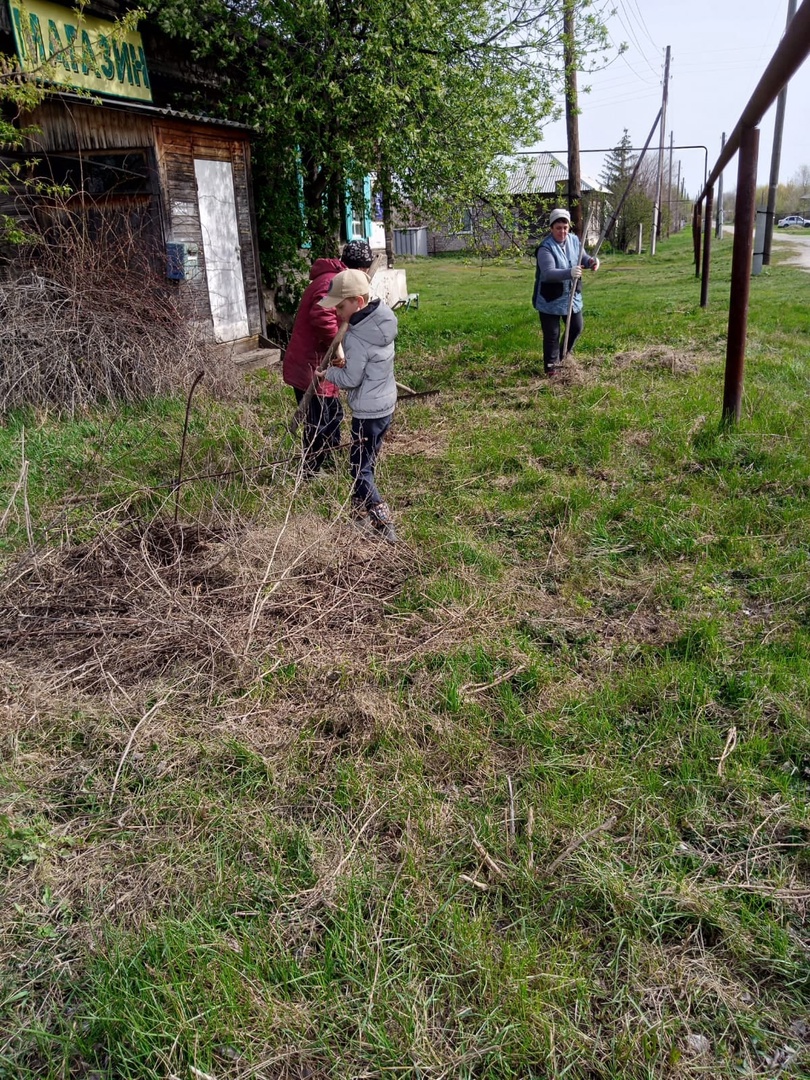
(654, 44)
(629, 32)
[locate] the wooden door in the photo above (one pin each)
(221, 250)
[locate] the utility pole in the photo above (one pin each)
(678, 196)
(572, 118)
(776, 154)
(669, 184)
(719, 230)
(656, 225)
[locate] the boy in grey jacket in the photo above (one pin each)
(367, 373)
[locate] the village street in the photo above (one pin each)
(800, 256)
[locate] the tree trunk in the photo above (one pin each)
(384, 180)
(572, 119)
(321, 198)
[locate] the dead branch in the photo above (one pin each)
(133, 733)
(579, 841)
(488, 860)
(482, 885)
(731, 743)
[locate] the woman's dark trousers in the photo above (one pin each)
(553, 334)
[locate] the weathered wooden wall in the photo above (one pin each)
(171, 147)
(177, 146)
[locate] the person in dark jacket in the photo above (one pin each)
(312, 334)
(559, 269)
(367, 373)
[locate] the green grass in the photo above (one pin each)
(590, 659)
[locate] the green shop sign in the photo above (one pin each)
(79, 51)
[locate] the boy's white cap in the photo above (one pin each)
(559, 214)
(345, 285)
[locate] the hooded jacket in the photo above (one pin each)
(369, 372)
(313, 330)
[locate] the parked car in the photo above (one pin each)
(791, 219)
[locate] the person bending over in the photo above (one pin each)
(366, 371)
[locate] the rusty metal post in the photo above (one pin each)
(744, 217)
(707, 247)
(696, 226)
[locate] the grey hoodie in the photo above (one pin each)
(369, 372)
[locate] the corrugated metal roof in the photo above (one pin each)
(539, 174)
(157, 110)
(536, 175)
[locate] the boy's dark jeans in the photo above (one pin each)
(553, 334)
(367, 437)
(321, 429)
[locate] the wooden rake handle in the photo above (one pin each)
(582, 240)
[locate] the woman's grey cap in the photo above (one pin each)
(558, 214)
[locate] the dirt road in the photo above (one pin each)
(800, 256)
(800, 242)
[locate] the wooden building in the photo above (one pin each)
(535, 184)
(178, 182)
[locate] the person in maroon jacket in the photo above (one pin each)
(312, 334)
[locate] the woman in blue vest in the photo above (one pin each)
(559, 269)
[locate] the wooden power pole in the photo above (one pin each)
(776, 155)
(669, 185)
(572, 118)
(719, 218)
(656, 225)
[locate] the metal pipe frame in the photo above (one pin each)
(791, 53)
(745, 209)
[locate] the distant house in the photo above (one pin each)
(177, 182)
(534, 185)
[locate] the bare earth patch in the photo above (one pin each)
(422, 443)
(658, 357)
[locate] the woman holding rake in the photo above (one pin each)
(560, 258)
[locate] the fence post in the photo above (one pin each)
(744, 214)
(696, 225)
(707, 247)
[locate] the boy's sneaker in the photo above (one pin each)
(360, 516)
(383, 521)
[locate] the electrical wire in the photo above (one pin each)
(629, 31)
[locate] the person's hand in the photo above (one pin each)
(576, 273)
(595, 266)
(338, 360)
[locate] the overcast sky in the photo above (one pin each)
(720, 48)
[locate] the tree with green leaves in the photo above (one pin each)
(424, 94)
(18, 94)
(637, 208)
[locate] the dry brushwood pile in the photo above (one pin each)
(172, 600)
(72, 349)
(87, 316)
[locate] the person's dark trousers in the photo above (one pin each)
(553, 327)
(321, 429)
(367, 437)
